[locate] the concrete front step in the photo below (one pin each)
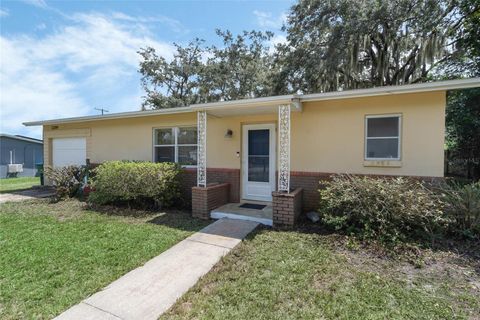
(235, 211)
(221, 215)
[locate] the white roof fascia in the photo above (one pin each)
(388, 90)
(244, 102)
(120, 115)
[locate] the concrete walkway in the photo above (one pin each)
(148, 291)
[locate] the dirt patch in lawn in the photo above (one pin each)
(451, 267)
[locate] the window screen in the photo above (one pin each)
(382, 138)
(176, 145)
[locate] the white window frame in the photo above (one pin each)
(399, 137)
(175, 145)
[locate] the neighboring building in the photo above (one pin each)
(16, 149)
(260, 149)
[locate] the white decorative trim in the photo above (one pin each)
(284, 148)
(383, 163)
(202, 149)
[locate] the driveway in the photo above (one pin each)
(28, 194)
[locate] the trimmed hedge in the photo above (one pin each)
(385, 209)
(139, 183)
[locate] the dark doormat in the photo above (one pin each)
(252, 206)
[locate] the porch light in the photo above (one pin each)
(229, 133)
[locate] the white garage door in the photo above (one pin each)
(69, 151)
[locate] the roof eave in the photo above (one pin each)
(244, 102)
(391, 90)
(121, 115)
(224, 105)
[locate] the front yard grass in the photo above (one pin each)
(304, 274)
(54, 255)
(17, 184)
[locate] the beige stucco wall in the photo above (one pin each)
(328, 136)
(121, 139)
(221, 151)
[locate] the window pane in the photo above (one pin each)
(187, 135)
(187, 155)
(382, 148)
(383, 127)
(258, 167)
(164, 136)
(259, 142)
(164, 154)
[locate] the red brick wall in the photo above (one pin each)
(214, 175)
(309, 182)
(286, 207)
(231, 176)
(206, 199)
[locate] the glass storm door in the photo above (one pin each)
(258, 162)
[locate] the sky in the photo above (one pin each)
(65, 58)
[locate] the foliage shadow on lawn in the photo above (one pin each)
(179, 220)
(413, 251)
(172, 218)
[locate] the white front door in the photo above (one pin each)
(258, 162)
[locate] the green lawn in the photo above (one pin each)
(16, 184)
(306, 275)
(54, 255)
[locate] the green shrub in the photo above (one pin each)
(385, 209)
(138, 183)
(463, 208)
(67, 181)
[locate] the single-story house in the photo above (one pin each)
(19, 155)
(269, 151)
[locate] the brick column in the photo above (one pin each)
(286, 207)
(206, 199)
